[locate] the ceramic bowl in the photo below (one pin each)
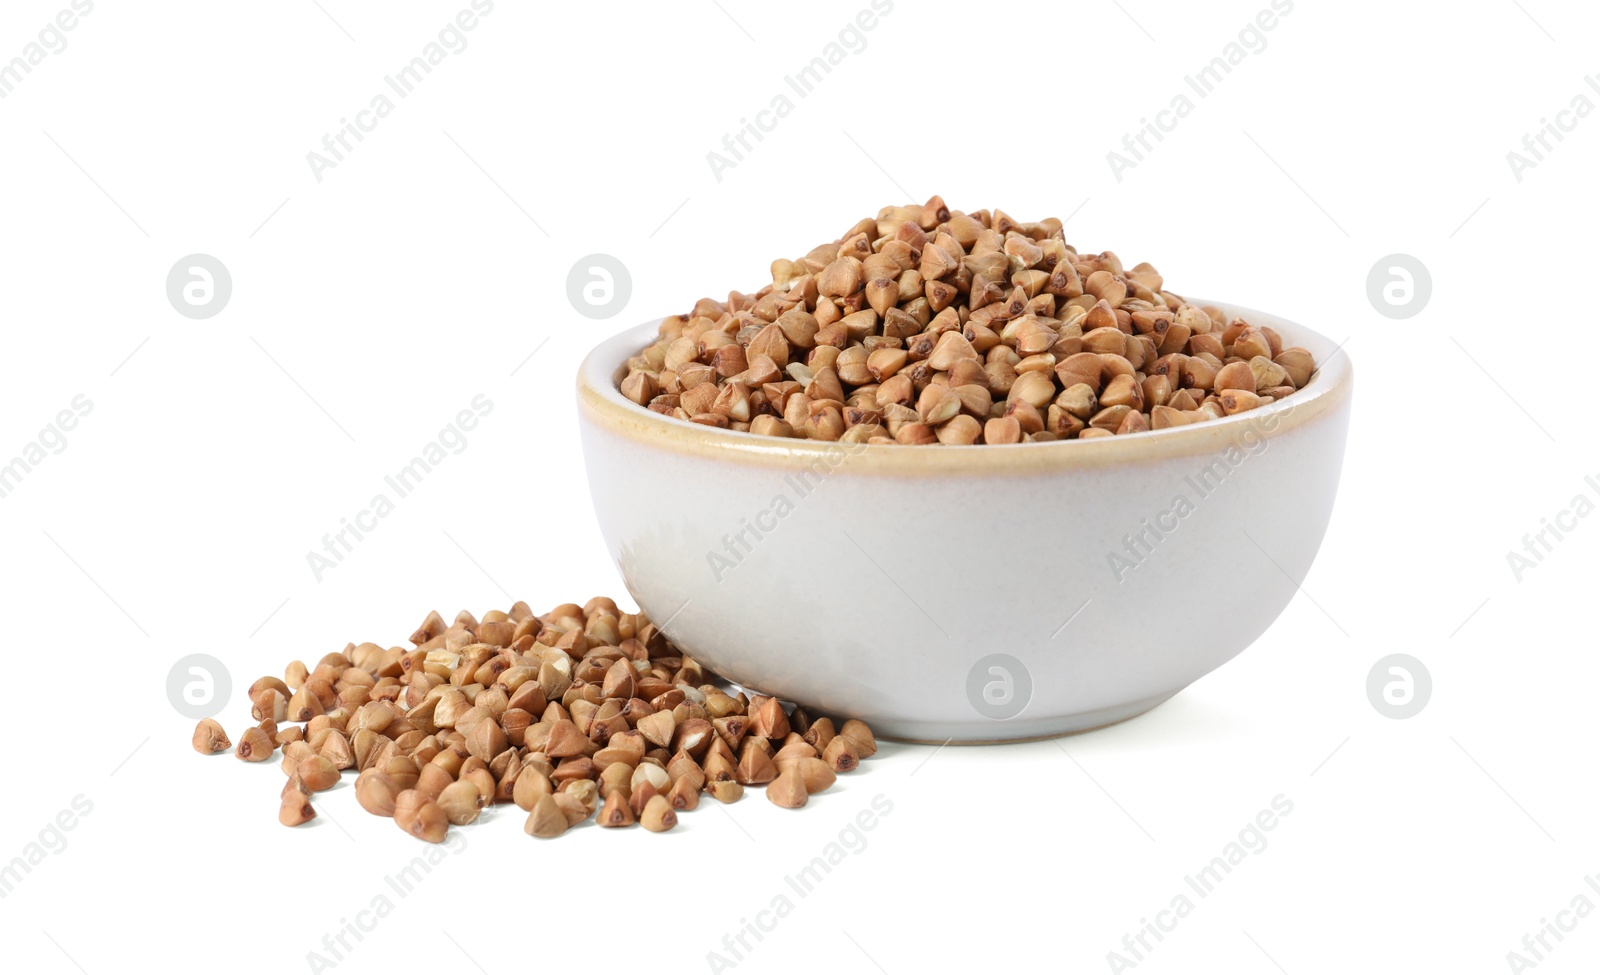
(982, 593)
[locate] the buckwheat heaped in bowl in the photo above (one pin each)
(928, 325)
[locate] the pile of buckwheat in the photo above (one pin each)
(584, 708)
(928, 325)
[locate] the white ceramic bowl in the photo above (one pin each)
(981, 593)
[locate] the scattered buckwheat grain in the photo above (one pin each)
(585, 710)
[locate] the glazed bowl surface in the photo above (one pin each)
(969, 594)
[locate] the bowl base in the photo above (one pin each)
(1014, 731)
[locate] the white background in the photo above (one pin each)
(369, 307)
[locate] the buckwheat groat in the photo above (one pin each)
(926, 325)
(585, 709)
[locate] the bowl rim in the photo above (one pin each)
(601, 401)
